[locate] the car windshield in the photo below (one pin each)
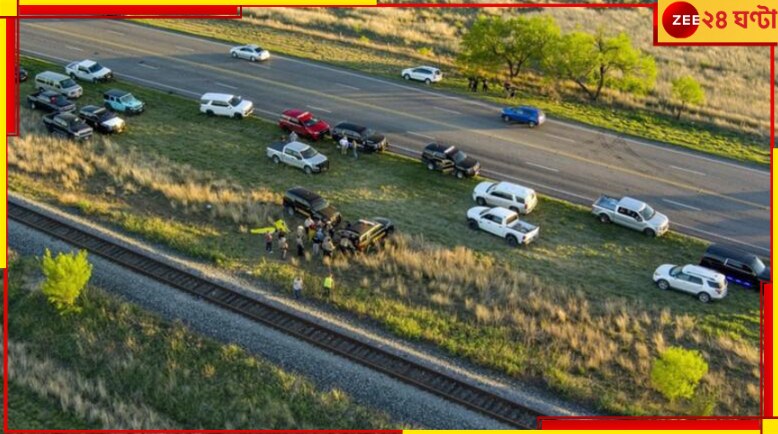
(308, 153)
(60, 100)
(647, 213)
(96, 67)
(675, 270)
(127, 98)
(236, 100)
(319, 204)
(459, 157)
(758, 266)
(310, 122)
(67, 83)
(368, 133)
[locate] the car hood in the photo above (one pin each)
(114, 122)
(765, 275)
(102, 73)
(468, 163)
(317, 159)
(475, 212)
(482, 187)
(244, 105)
(376, 138)
(664, 269)
(659, 220)
(329, 212)
(319, 127)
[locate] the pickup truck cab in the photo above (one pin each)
(67, 125)
(298, 155)
(531, 116)
(631, 213)
(502, 222)
(449, 159)
(88, 70)
(507, 195)
(304, 124)
(102, 119)
(122, 101)
(50, 101)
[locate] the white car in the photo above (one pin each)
(502, 222)
(223, 104)
(88, 70)
(507, 195)
(253, 53)
(702, 282)
(427, 74)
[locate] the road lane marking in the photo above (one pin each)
(420, 135)
(313, 107)
(70, 47)
(711, 234)
(688, 170)
(147, 66)
(347, 86)
(540, 166)
(594, 162)
(274, 114)
(259, 65)
(184, 48)
(115, 32)
(683, 205)
(443, 109)
(224, 85)
(565, 139)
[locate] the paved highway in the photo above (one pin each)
(719, 200)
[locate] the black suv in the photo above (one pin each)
(50, 101)
(742, 268)
(298, 200)
(365, 138)
(449, 159)
(101, 119)
(365, 234)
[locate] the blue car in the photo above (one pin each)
(531, 116)
(122, 101)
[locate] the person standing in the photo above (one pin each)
(343, 144)
(354, 149)
(292, 137)
(300, 246)
(316, 245)
(297, 287)
(269, 242)
(284, 246)
(484, 85)
(327, 247)
(329, 285)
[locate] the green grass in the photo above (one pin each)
(28, 410)
(551, 313)
(193, 381)
(384, 59)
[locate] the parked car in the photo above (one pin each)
(63, 84)
(88, 70)
(364, 235)
(50, 101)
(23, 75)
(250, 52)
(449, 159)
(223, 104)
(122, 101)
(67, 125)
(303, 123)
(702, 282)
(740, 267)
(507, 195)
(298, 155)
(531, 116)
(631, 213)
(102, 119)
(427, 74)
(502, 222)
(299, 200)
(365, 138)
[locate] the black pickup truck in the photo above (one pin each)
(364, 235)
(50, 101)
(67, 125)
(449, 159)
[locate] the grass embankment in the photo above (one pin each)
(116, 366)
(576, 311)
(383, 42)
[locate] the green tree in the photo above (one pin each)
(687, 91)
(596, 61)
(66, 276)
(497, 45)
(677, 372)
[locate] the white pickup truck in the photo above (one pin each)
(502, 222)
(631, 213)
(298, 155)
(88, 70)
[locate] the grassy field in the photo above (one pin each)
(576, 311)
(116, 366)
(733, 123)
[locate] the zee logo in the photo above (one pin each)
(680, 20)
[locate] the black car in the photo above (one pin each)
(102, 119)
(67, 125)
(23, 74)
(742, 268)
(449, 159)
(364, 235)
(366, 139)
(50, 101)
(299, 200)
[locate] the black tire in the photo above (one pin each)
(427, 81)
(649, 233)
(663, 284)
(430, 166)
(514, 209)
(512, 241)
(472, 224)
(276, 160)
(289, 211)
(480, 201)
(532, 124)
(73, 76)
(460, 174)
(407, 76)
(604, 218)
(209, 112)
(308, 170)
(253, 58)
(704, 297)
(237, 116)
(234, 54)
(506, 118)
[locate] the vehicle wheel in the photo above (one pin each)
(41, 89)
(290, 211)
(308, 170)
(472, 224)
(276, 159)
(512, 241)
(430, 166)
(663, 284)
(427, 81)
(703, 297)
(460, 174)
(514, 209)
(209, 112)
(532, 124)
(32, 105)
(506, 119)
(480, 201)
(407, 77)
(237, 116)
(73, 76)
(604, 218)
(235, 55)
(649, 233)
(253, 59)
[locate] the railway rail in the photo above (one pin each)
(430, 380)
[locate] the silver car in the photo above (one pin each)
(253, 53)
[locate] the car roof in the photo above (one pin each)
(296, 113)
(703, 272)
(361, 226)
(350, 126)
(303, 193)
(91, 108)
(297, 146)
(87, 63)
(501, 212)
(217, 96)
(67, 116)
(518, 190)
(426, 67)
(729, 252)
(633, 204)
(50, 93)
(52, 74)
(435, 147)
(116, 92)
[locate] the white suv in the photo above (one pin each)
(706, 284)
(426, 74)
(224, 104)
(507, 195)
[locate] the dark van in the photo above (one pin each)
(742, 268)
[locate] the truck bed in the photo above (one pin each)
(606, 202)
(277, 146)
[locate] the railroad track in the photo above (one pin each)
(430, 380)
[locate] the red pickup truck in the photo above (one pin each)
(304, 124)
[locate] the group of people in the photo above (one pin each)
(314, 232)
(345, 145)
(472, 84)
(328, 285)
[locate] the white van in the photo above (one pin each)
(60, 83)
(224, 104)
(507, 195)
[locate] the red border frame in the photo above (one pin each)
(544, 422)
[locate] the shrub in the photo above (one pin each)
(677, 372)
(66, 275)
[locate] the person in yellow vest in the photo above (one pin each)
(329, 285)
